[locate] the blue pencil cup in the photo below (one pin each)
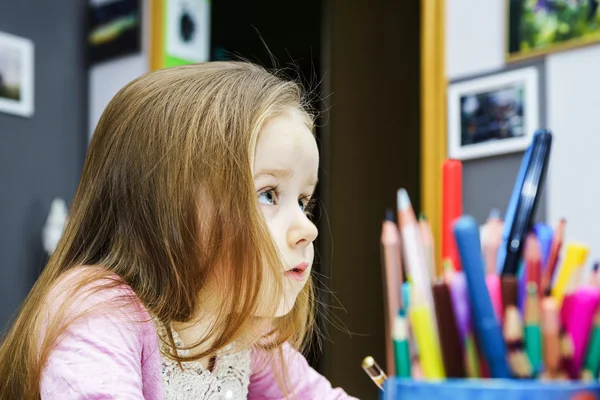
(488, 389)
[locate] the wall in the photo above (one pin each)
(105, 79)
(40, 157)
(571, 83)
(573, 187)
(487, 182)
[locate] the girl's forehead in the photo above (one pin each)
(285, 142)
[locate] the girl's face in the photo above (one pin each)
(285, 175)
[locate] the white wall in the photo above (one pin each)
(572, 103)
(573, 114)
(474, 37)
(107, 78)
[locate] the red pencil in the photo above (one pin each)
(533, 260)
(553, 258)
(452, 208)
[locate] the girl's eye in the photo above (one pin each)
(268, 197)
(302, 203)
(306, 204)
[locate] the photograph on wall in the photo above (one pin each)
(16, 75)
(187, 31)
(537, 27)
(493, 115)
(114, 29)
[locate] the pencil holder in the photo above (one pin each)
(488, 389)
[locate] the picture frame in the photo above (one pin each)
(16, 75)
(539, 27)
(180, 32)
(114, 29)
(494, 114)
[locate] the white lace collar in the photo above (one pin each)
(229, 378)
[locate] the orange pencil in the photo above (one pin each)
(392, 275)
(551, 337)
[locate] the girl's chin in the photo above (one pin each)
(285, 307)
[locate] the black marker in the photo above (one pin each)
(528, 199)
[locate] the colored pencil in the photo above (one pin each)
(551, 336)
(451, 345)
(557, 241)
(513, 334)
(592, 357)
(451, 208)
(428, 247)
(401, 346)
(533, 333)
(392, 274)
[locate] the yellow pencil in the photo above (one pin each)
(430, 354)
(574, 258)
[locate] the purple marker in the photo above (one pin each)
(460, 303)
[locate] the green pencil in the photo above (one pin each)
(401, 346)
(533, 333)
(471, 359)
(592, 357)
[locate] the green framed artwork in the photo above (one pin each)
(180, 32)
(538, 27)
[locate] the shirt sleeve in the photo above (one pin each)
(304, 381)
(98, 357)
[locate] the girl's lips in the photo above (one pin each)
(298, 272)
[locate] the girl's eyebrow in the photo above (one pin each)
(284, 174)
(275, 173)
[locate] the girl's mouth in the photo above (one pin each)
(298, 272)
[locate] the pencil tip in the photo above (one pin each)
(389, 215)
(422, 216)
(403, 199)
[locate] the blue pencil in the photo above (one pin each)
(487, 327)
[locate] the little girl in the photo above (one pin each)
(184, 268)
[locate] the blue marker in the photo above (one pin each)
(487, 327)
(545, 234)
(522, 292)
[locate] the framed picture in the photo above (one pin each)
(493, 115)
(537, 27)
(16, 75)
(180, 32)
(114, 29)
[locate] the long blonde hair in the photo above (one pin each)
(166, 201)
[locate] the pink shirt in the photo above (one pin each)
(115, 355)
